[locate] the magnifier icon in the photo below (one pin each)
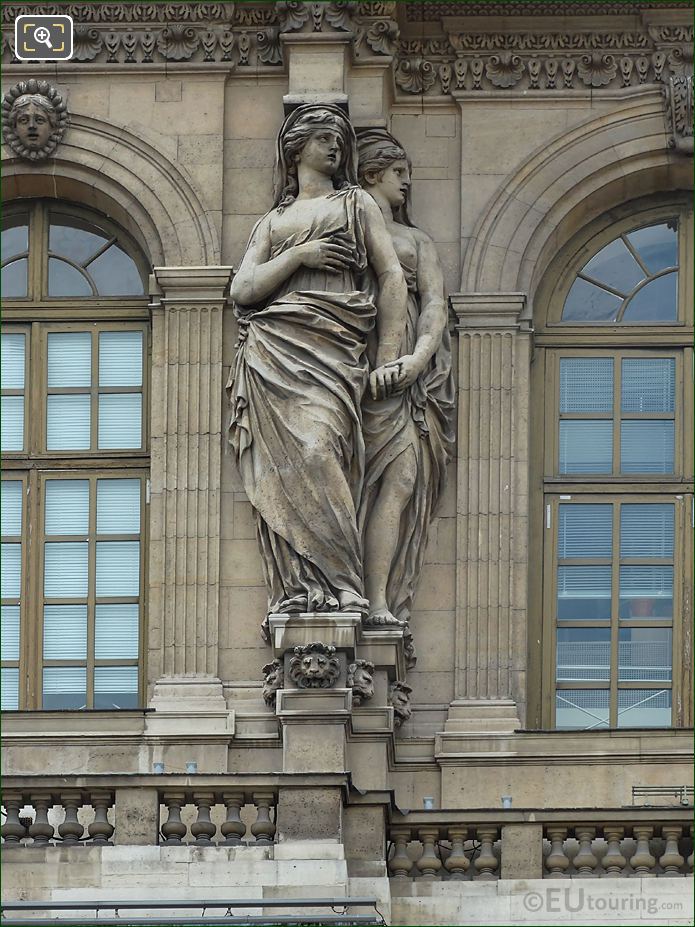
(42, 34)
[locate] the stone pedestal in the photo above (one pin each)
(492, 532)
(313, 724)
(341, 631)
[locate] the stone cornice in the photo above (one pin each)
(551, 54)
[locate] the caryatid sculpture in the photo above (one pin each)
(409, 425)
(320, 273)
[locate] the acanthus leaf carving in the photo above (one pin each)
(415, 75)
(340, 14)
(268, 45)
(504, 70)
(87, 43)
(292, 14)
(680, 112)
(596, 70)
(382, 37)
(177, 42)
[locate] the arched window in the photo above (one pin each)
(75, 344)
(613, 378)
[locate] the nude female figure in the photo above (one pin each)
(409, 426)
(306, 303)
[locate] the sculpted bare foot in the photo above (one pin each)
(381, 617)
(351, 602)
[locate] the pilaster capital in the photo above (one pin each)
(490, 311)
(173, 286)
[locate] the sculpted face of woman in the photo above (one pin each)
(323, 152)
(394, 182)
(32, 125)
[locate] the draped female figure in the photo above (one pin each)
(409, 426)
(305, 308)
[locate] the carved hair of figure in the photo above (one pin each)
(377, 150)
(274, 674)
(34, 119)
(299, 127)
(360, 680)
(314, 666)
(399, 698)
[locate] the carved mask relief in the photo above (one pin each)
(34, 119)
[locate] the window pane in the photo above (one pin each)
(588, 303)
(585, 531)
(583, 593)
(67, 506)
(657, 301)
(12, 423)
(118, 568)
(583, 653)
(646, 530)
(116, 687)
(68, 426)
(12, 366)
(120, 358)
(64, 687)
(66, 280)
(117, 631)
(10, 688)
(14, 279)
(644, 707)
(586, 446)
(15, 240)
(11, 508)
(65, 570)
(9, 639)
(116, 274)
(644, 654)
(74, 238)
(648, 384)
(615, 266)
(586, 384)
(65, 632)
(657, 245)
(118, 506)
(69, 359)
(647, 447)
(11, 570)
(120, 420)
(646, 592)
(581, 709)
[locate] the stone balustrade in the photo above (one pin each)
(579, 844)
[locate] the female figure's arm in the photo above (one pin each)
(433, 316)
(260, 275)
(391, 300)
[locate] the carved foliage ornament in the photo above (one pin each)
(34, 119)
(314, 666)
(361, 680)
(680, 103)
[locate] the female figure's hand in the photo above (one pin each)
(410, 369)
(383, 380)
(325, 254)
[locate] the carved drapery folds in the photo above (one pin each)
(571, 58)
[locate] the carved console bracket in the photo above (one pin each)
(679, 113)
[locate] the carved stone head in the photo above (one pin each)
(274, 679)
(409, 651)
(399, 698)
(360, 679)
(34, 119)
(314, 666)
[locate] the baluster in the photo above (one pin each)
(585, 862)
(100, 830)
(486, 862)
(71, 830)
(429, 863)
(557, 861)
(457, 862)
(671, 861)
(263, 828)
(203, 829)
(173, 829)
(233, 829)
(400, 864)
(613, 862)
(41, 829)
(13, 830)
(642, 860)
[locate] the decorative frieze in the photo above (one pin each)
(249, 36)
(432, 12)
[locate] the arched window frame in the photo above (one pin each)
(553, 339)
(36, 316)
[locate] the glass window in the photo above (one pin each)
(12, 371)
(633, 278)
(12, 499)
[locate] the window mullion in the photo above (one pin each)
(91, 588)
(615, 616)
(617, 385)
(33, 612)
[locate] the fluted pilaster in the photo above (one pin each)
(186, 461)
